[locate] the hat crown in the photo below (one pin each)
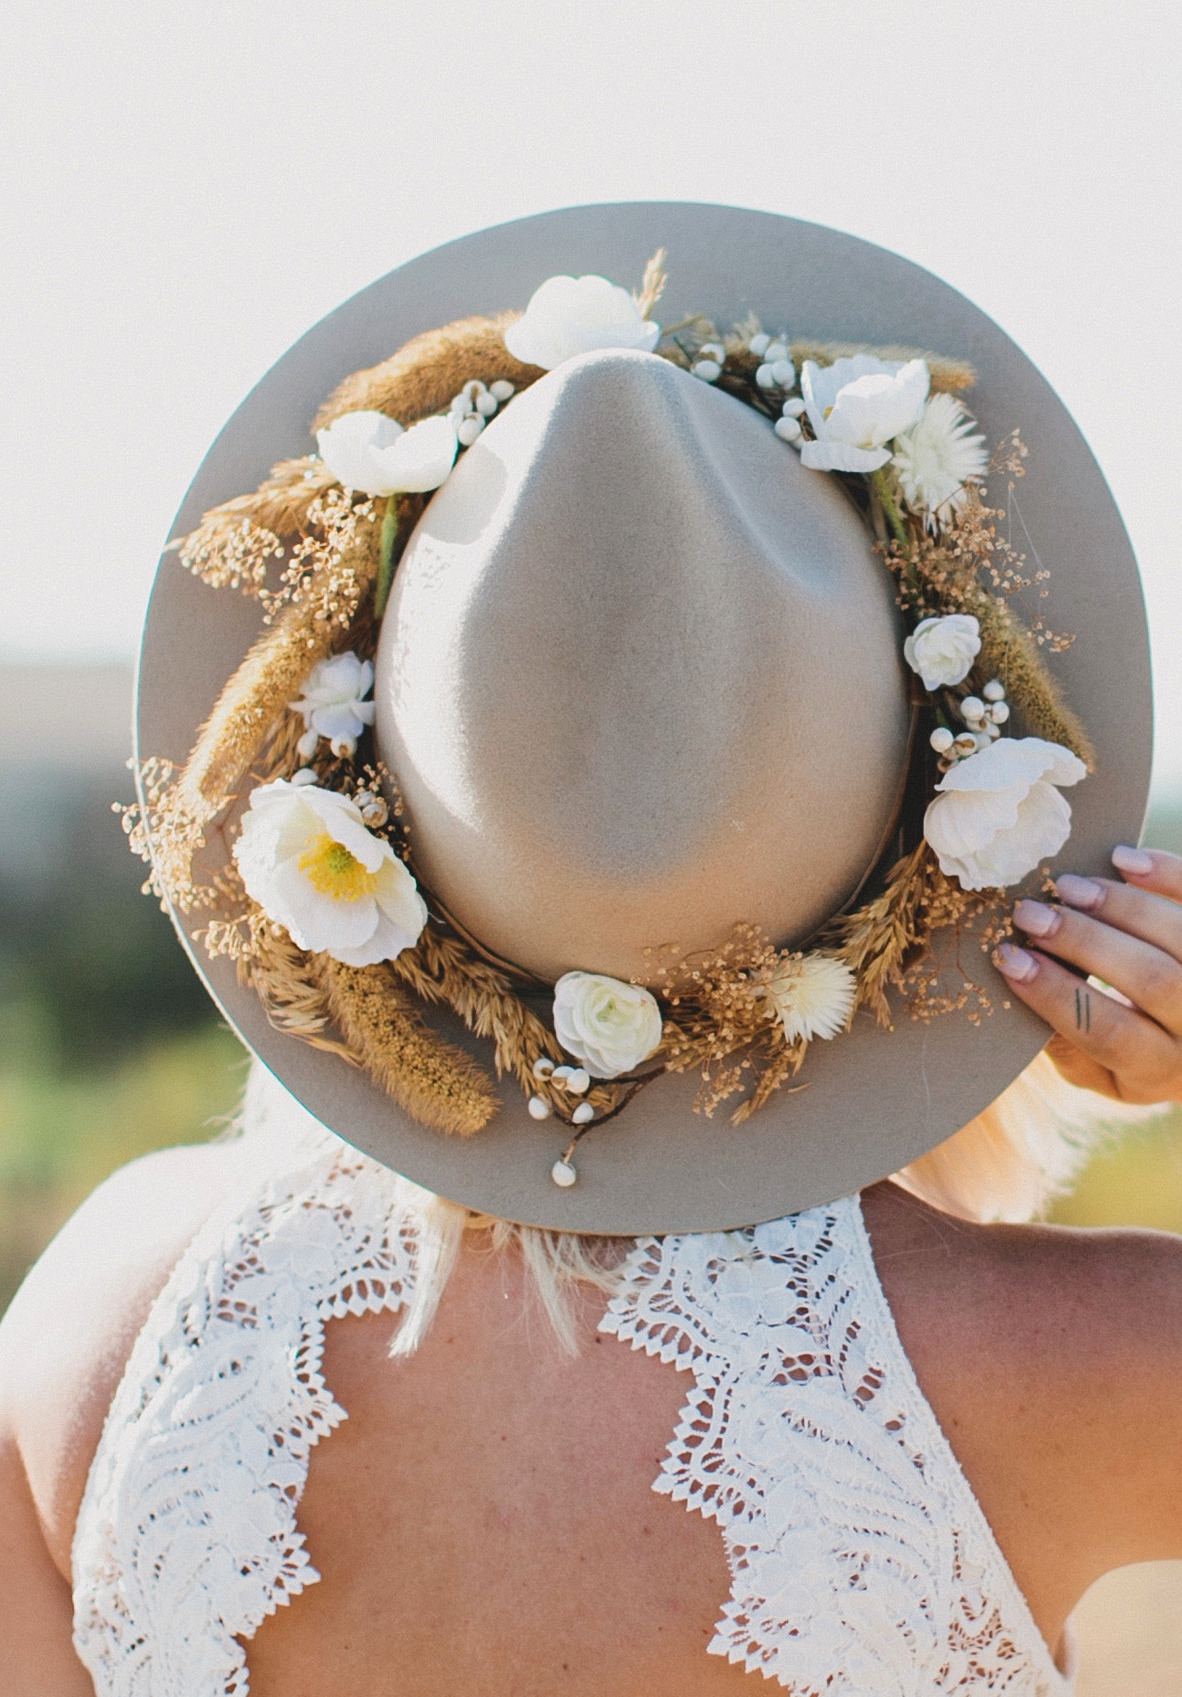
(639, 679)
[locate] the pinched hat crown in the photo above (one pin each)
(613, 681)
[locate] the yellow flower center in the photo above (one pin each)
(330, 868)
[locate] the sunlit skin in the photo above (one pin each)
(483, 1521)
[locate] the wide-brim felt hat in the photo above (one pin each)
(875, 1099)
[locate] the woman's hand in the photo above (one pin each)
(1130, 936)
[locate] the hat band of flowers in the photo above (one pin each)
(320, 906)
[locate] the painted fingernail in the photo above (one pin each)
(1079, 892)
(1015, 964)
(1037, 919)
(1132, 860)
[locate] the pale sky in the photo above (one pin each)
(187, 188)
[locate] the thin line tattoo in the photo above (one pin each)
(1083, 1011)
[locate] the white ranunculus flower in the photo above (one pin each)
(857, 405)
(608, 1025)
(938, 458)
(306, 857)
(331, 703)
(999, 812)
(813, 996)
(373, 453)
(942, 650)
(573, 315)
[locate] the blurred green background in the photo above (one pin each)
(109, 1046)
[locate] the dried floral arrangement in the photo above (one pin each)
(318, 903)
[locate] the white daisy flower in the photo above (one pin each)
(813, 996)
(306, 857)
(937, 459)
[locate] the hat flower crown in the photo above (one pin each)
(319, 903)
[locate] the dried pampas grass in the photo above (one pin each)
(424, 375)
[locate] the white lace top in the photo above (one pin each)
(861, 1561)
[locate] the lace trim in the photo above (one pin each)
(861, 1560)
(187, 1535)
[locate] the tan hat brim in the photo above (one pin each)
(874, 1099)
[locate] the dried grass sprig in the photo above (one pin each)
(652, 285)
(322, 605)
(232, 545)
(876, 940)
(435, 1082)
(427, 372)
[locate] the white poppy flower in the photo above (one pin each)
(306, 857)
(813, 996)
(572, 315)
(999, 812)
(373, 453)
(938, 458)
(331, 703)
(856, 405)
(942, 650)
(608, 1025)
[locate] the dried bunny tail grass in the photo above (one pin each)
(444, 969)
(949, 375)
(1009, 652)
(430, 1079)
(652, 285)
(231, 546)
(426, 373)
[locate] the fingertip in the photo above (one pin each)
(1133, 862)
(1016, 965)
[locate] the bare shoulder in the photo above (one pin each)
(1053, 1358)
(66, 1337)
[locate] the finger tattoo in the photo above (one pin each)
(1083, 1011)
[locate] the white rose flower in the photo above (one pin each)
(608, 1025)
(306, 857)
(942, 650)
(999, 812)
(938, 458)
(813, 996)
(856, 405)
(572, 315)
(373, 453)
(332, 706)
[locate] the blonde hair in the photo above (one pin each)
(1009, 1164)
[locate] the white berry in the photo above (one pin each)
(563, 1173)
(502, 389)
(788, 429)
(998, 713)
(775, 350)
(469, 429)
(538, 1109)
(543, 1066)
(793, 407)
(708, 370)
(764, 377)
(994, 690)
(759, 344)
(973, 709)
(579, 1082)
(583, 1114)
(942, 739)
(486, 403)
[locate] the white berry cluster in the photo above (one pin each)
(983, 721)
(775, 371)
(475, 404)
(575, 1080)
